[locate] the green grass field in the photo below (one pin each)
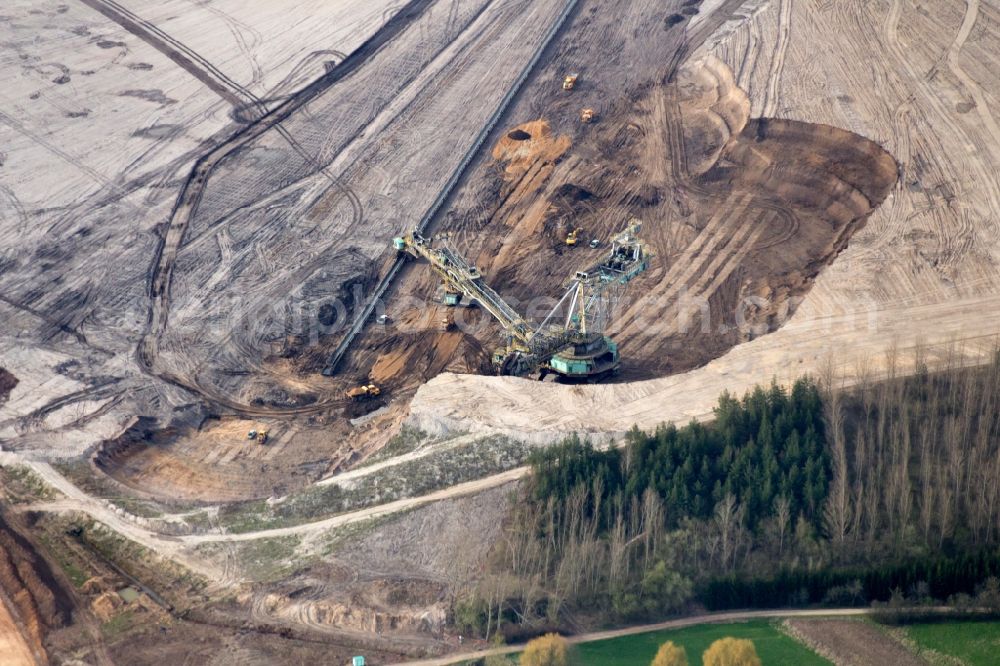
(773, 647)
(975, 643)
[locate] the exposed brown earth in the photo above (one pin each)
(921, 273)
(30, 596)
(396, 579)
(215, 461)
(852, 643)
(741, 213)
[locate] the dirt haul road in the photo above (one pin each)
(101, 126)
(173, 546)
(923, 272)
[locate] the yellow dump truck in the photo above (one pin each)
(364, 392)
(258, 435)
(570, 81)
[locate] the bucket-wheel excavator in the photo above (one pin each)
(569, 342)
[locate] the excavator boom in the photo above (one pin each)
(570, 346)
(461, 277)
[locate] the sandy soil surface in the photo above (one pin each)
(758, 208)
(13, 645)
(852, 643)
(922, 271)
(32, 603)
(103, 114)
(398, 577)
(192, 189)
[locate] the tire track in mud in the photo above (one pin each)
(169, 244)
(13, 204)
(976, 90)
(61, 154)
(178, 50)
(62, 327)
(890, 29)
(101, 391)
(926, 133)
(725, 234)
(185, 58)
(383, 286)
(778, 60)
(237, 28)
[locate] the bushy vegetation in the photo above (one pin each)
(764, 449)
(482, 457)
(731, 651)
(769, 642)
(20, 485)
(670, 654)
(547, 650)
(822, 494)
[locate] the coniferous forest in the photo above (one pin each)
(818, 494)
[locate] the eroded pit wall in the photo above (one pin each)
(921, 273)
(714, 108)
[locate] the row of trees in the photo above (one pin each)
(940, 577)
(553, 650)
(915, 459)
(629, 531)
(762, 451)
(804, 496)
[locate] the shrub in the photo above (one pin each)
(731, 652)
(547, 650)
(670, 655)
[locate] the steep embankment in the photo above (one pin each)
(33, 603)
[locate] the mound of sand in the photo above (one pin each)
(527, 144)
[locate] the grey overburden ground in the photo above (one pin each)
(196, 198)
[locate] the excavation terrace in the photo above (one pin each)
(223, 387)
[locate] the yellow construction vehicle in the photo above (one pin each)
(570, 81)
(262, 436)
(587, 116)
(363, 392)
(571, 237)
(448, 322)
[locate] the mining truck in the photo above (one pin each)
(364, 392)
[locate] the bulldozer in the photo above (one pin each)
(572, 236)
(587, 116)
(570, 81)
(363, 392)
